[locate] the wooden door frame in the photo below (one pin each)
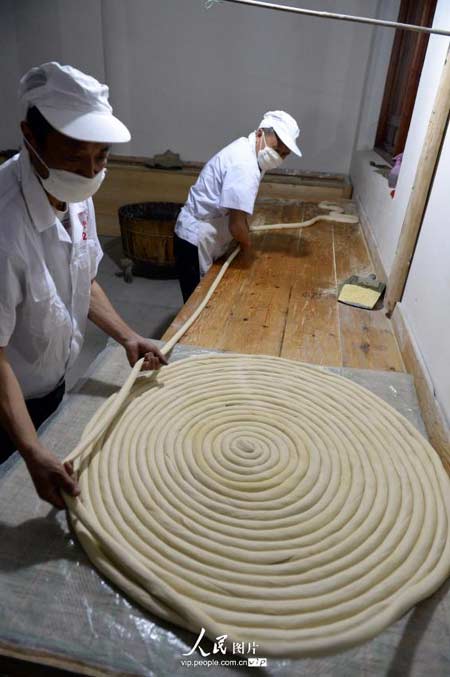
(420, 192)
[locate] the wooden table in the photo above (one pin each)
(285, 301)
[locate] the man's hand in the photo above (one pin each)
(102, 313)
(138, 347)
(49, 476)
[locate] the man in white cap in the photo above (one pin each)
(218, 205)
(49, 255)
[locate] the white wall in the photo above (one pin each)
(9, 70)
(193, 79)
(384, 214)
(375, 79)
(426, 302)
(45, 30)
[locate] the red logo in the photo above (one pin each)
(83, 216)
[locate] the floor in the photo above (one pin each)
(147, 305)
(285, 302)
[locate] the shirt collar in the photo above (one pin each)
(36, 199)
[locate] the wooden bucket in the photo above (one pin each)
(147, 237)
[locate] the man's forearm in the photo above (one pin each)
(239, 228)
(14, 416)
(49, 475)
(103, 314)
(241, 234)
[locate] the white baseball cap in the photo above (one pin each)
(285, 127)
(74, 103)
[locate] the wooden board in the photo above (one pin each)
(257, 320)
(367, 339)
(312, 331)
(284, 303)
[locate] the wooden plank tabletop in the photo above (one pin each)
(284, 302)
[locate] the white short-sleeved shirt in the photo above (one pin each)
(230, 180)
(46, 271)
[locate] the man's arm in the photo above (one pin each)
(103, 314)
(47, 472)
(239, 229)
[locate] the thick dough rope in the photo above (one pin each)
(336, 214)
(116, 401)
(261, 498)
(267, 500)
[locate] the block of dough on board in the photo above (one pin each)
(362, 292)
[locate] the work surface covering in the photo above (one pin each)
(56, 609)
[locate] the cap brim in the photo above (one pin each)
(288, 141)
(94, 126)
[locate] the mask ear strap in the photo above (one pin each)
(36, 153)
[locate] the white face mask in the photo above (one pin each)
(268, 158)
(68, 186)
